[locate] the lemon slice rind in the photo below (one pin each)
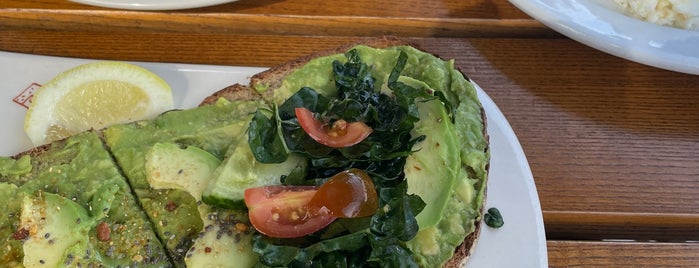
(41, 115)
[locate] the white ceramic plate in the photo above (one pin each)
(603, 25)
(520, 242)
(152, 4)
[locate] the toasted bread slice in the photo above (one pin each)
(271, 79)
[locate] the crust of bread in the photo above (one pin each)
(34, 151)
(232, 92)
(272, 79)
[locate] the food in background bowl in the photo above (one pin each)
(676, 13)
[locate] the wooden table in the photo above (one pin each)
(613, 144)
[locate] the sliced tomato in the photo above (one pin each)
(339, 134)
(283, 211)
(348, 194)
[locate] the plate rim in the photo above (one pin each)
(152, 5)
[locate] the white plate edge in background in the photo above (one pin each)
(152, 5)
(600, 25)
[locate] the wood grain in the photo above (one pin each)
(87, 20)
(622, 254)
(591, 225)
(357, 18)
(483, 9)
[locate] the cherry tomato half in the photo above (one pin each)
(283, 211)
(339, 134)
(347, 194)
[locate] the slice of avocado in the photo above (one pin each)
(432, 169)
(225, 239)
(171, 166)
(50, 243)
(241, 171)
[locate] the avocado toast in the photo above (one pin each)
(216, 135)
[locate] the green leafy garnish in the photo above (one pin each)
(493, 218)
(264, 134)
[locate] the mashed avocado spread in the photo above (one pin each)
(434, 243)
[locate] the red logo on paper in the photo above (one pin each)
(25, 97)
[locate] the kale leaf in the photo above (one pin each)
(493, 218)
(265, 139)
(290, 256)
(396, 218)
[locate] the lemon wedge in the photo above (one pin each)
(93, 96)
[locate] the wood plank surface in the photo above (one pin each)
(480, 18)
(622, 254)
(593, 225)
(260, 24)
(484, 9)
